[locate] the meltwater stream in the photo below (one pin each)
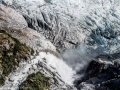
(50, 61)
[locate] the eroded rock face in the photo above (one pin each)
(11, 18)
(101, 74)
(15, 24)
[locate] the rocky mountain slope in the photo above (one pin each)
(101, 74)
(12, 52)
(13, 23)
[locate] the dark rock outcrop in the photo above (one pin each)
(101, 74)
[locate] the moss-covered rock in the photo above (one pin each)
(11, 53)
(36, 81)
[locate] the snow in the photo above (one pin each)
(105, 62)
(40, 2)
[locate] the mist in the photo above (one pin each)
(80, 57)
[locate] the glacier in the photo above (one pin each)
(81, 30)
(70, 23)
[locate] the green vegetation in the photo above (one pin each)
(36, 81)
(2, 80)
(11, 53)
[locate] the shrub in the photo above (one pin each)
(36, 81)
(16, 49)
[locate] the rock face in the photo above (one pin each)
(12, 52)
(101, 74)
(15, 24)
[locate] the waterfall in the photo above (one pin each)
(66, 72)
(49, 60)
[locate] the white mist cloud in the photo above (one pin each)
(79, 58)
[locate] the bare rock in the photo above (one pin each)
(15, 24)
